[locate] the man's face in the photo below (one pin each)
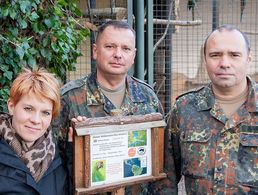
(114, 51)
(227, 59)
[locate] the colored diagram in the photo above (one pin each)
(137, 138)
(132, 167)
(98, 170)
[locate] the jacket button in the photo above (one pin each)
(216, 181)
(244, 139)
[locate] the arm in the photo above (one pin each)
(171, 161)
(62, 122)
(175, 144)
(68, 155)
(63, 136)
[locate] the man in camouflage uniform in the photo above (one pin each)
(109, 88)
(214, 129)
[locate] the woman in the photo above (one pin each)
(29, 161)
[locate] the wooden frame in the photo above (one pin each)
(112, 124)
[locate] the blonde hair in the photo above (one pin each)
(38, 82)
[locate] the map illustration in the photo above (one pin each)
(137, 138)
(132, 167)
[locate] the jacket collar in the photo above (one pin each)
(95, 95)
(134, 91)
(206, 100)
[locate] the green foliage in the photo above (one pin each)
(38, 33)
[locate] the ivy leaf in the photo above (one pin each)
(20, 51)
(14, 31)
(45, 41)
(8, 60)
(26, 23)
(55, 47)
(24, 6)
(31, 61)
(4, 68)
(5, 11)
(33, 51)
(25, 44)
(37, 1)
(35, 27)
(48, 23)
(45, 53)
(34, 16)
(8, 74)
(4, 94)
(62, 3)
(64, 57)
(13, 13)
(85, 32)
(22, 23)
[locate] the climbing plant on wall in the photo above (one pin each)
(38, 33)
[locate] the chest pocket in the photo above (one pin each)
(247, 169)
(195, 149)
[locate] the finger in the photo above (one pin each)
(84, 118)
(70, 134)
(75, 120)
(79, 118)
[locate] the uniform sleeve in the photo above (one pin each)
(61, 123)
(169, 185)
(175, 143)
(60, 127)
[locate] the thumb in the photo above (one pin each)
(70, 134)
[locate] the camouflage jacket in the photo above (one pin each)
(215, 154)
(83, 97)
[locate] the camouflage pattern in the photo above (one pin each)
(215, 154)
(83, 97)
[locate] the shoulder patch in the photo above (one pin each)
(72, 85)
(142, 82)
(194, 90)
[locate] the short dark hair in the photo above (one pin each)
(115, 24)
(228, 27)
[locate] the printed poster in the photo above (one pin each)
(120, 156)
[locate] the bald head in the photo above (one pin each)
(228, 28)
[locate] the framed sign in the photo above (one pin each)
(117, 151)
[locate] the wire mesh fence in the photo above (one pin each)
(187, 65)
(178, 64)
